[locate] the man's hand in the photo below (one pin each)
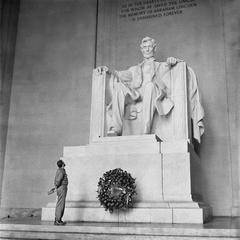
(52, 190)
(172, 61)
(103, 69)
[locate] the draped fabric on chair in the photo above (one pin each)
(182, 87)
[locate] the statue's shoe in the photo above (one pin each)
(112, 133)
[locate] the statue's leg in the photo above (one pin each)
(149, 94)
(118, 104)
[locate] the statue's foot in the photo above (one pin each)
(113, 132)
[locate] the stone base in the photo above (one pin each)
(167, 180)
(164, 212)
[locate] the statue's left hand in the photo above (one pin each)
(172, 61)
(102, 69)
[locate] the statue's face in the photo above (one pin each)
(148, 49)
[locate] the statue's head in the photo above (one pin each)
(148, 47)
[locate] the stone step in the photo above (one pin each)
(136, 144)
(112, 145)
(159, 212)
(107, 231)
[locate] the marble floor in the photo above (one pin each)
(215, 223)
(33, 228)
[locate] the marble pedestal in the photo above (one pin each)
(167, 178)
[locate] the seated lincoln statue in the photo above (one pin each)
(145, 84)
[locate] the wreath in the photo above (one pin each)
(116, 189)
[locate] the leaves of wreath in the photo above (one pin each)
(116, 190)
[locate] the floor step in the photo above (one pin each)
(219, 228)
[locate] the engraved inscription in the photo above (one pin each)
(146, 9)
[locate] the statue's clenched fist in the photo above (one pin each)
(172, 61)
(103, 69)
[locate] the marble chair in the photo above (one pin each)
(186, 114)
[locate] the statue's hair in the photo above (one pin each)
(148, 39)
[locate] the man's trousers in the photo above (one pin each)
(61, 198)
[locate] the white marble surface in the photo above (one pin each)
(33, 228)
(163, 180)
(174, 126)
(84, 174)
(176, 176)
(135, 215)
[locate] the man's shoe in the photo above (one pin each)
(64, 223)
(59, 223)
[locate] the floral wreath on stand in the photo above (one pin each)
(116, 189)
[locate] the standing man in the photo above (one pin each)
(60, 183)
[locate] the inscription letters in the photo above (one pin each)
(145, 9)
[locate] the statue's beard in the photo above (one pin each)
(148, 55)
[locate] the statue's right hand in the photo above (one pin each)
(102, 69)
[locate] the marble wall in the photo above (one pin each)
(51, 90)
(231, 24)
(9, 19)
